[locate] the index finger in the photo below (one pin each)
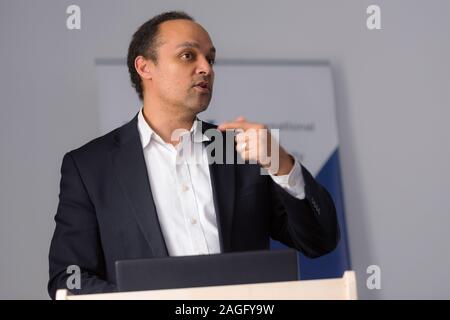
(234, 125)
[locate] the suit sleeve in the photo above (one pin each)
(76, 240)
(309, 225)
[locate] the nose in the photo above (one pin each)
(204, 67)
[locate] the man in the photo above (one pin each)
(132, 193)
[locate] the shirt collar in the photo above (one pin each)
(146, 132)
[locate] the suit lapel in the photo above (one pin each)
(129, 165)
(223, 186)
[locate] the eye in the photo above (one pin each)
(212, 61)
(187, 56)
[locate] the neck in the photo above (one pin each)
(164, 120)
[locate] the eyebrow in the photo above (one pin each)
(188, 44)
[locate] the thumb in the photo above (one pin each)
(240, 119)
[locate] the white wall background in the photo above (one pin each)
(393, 109)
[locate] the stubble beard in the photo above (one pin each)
(198, 102)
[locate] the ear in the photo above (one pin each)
(144, 67)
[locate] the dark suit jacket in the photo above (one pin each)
(106, 211)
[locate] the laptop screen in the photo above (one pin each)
(207, 270)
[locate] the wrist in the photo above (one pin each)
(286, 163)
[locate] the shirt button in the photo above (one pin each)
(193, 221)
(184, 188)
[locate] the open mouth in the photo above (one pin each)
(202, 87)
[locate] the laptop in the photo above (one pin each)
(207, 270)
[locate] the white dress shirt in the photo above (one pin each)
(182, 190)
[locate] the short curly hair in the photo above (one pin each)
(144, 43)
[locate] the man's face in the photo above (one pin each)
(183, 75)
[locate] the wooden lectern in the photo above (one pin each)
(324, 289)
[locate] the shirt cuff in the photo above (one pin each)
(293, 182)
